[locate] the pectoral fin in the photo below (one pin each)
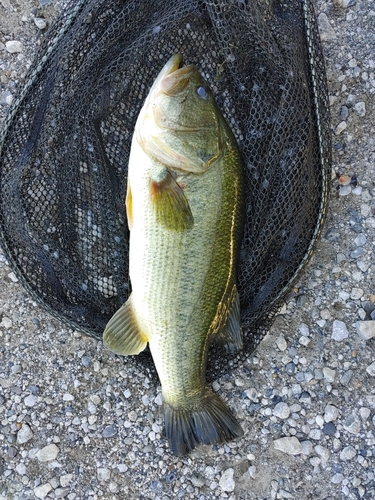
(122, 334)
(169, 203)
(229, 333)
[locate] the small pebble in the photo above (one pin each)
(325, 29)
(371, 369)
(103, 473)
(86, 361)
(281, 343)
(352, 424)
(331, 413)
(329, 374)
(340, 128)
(360, 108)
(40, 23)
(315, 434)
(289, 445)
(337, 478)
(227, 482)
(109, 431)
(365, 329)
(30, 400)
(346, 377)
(14, 46)
(197, 480)
(66, 479)
(323, 453)
(24, 434)
(306, 447)
(252, 471)
(48, 453)
(6, 323)
(339, 331)
(344, 180)
(281, 410)
(347, 453)
(345, 190)
(21, 469)
(42, 490)
(329, 429)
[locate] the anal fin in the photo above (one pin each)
(229, 333)
(122, 334)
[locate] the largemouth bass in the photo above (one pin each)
(184, 206)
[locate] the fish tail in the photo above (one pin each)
(206, 421)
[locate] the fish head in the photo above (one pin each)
(180, 124)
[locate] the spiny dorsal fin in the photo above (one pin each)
(122, 334)
(169, 203)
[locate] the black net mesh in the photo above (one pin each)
(66, 142)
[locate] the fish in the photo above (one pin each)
(185, 212)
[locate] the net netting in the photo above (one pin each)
(66, 143)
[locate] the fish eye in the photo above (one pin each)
(203, 92)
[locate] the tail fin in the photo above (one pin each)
(207, 421)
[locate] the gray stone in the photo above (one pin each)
(6, 99)
(109, 431)
(325, 29)
(365, 329)
(14, 46)
(356, 293)
(66, 479)
(48, 453)
(252, 471)
(337, 478)
(339, 331)
(103, 473)
(344, 190)
(227, 482)
(86, 361)
(352, 424)
(338, 130)
(360, 108)
(42, 490)
(306, 447)
(21, 469)
(281, 343)
(358, 252)
(331, 413)
(24, 434)
(346, 377)
(347, 453)
(40, 23)
(315, 434)
(289, 445)
(61, 492)
(360, 240)
(329, 374)
(371, 369)
(30, 400)
(6, 323)
(281, 410)
(323, 453)
(197, 480)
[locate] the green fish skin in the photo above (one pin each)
(185, 213)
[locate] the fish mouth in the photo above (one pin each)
(170, 67)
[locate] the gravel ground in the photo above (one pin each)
(78, 423)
